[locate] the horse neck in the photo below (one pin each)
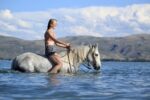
(75, 57)
(80, 54)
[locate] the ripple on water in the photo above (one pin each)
(116, 81)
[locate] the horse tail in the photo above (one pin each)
(14, 64)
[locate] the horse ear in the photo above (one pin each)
(90, 45)
(94, 46)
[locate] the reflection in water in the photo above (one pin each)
(53, 80)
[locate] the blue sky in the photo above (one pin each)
(27, 19)
(35, 5)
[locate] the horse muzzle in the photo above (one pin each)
(97, 67)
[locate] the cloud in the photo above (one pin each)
(95, 21)
(23, 24)
(6, 14)
(5, 34)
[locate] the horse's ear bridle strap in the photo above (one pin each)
(87, 59)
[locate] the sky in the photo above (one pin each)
(27, 19)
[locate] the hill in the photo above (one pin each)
(129, 48)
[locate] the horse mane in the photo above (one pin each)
(78, 50)
(81, 51)
(77, 54)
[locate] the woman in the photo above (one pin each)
(50, 49)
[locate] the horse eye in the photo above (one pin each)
(96, 54)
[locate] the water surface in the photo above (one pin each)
(116, 81)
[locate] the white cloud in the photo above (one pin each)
(24, 24)
(81, 30)
(95, 21)
(4, 34)
(6, 14)
(5, 26)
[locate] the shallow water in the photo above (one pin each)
(116, 81)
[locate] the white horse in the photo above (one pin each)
(87, 55)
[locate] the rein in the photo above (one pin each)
(68, 51)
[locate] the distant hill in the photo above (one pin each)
(129, 48)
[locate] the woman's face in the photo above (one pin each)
(54, 24)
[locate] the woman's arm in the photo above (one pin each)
(61, 45)
(55, 40)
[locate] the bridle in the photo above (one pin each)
(68, 51)
(86, 60)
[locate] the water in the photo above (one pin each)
(116, 81)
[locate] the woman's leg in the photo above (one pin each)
(57, 63)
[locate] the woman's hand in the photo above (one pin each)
(68, 46)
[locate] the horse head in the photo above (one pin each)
(93, 57)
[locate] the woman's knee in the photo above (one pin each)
(59, 63)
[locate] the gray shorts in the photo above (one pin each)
(50, 50)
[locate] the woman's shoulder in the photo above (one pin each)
(49, 30)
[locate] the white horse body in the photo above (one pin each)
(31, 62)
